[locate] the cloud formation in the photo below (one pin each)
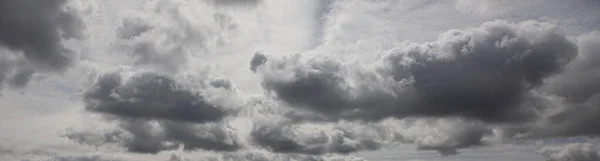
(149, 96)
(32, 32)
(571, 152)
(574, 95)
(317, 139)
(173, 32)
(156, 113)
(293, 133)
(485, 73)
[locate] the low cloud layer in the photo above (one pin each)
(31, 35)
(485, 73)
(571, 152)
(466, 87)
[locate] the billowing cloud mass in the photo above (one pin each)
(31, 35)
(149, 96)
(571, 152)
(174, 31)
(443, 135)
(156, 113)
(463, 86)
(467, 88)
(486, 73)
(575, 93)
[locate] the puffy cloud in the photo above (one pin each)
(32, 32)
(156, 113)
(171, 32)
(149, 96)
(485, 73)
(571, 152)
(579, 81)
(573, 94)
(293, 133)
(453, 134)
(317, 138)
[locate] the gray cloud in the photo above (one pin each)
(82, 158)
(156, 113)
(571, 152)
(167, 38)
(236, 2)
(580, 80)
(284, 139)
(460, 135)
(149, 96)
(257, 60)
(132, 27)
(32, 31)
(485, 73)
(259, 155)
(574, 96)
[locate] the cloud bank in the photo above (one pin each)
(486, 73)
(454, 92)
(571, 152)
(465, 86)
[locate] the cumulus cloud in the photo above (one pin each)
(485, 73)
(149, 96)
(575, 94)
(571, 152)
(165, 38)
(452, 135)
(293, 133)
(319, 139)
(32, 32)
(570, 84)
(156, 113)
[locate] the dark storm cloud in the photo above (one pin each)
(15, 72)
(149, 96)
(35, 29)
(156, 113)
(580, 80)
(576, 92)
(483, 73)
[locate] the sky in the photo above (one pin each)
(299, 80)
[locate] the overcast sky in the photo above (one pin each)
(304, 80)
